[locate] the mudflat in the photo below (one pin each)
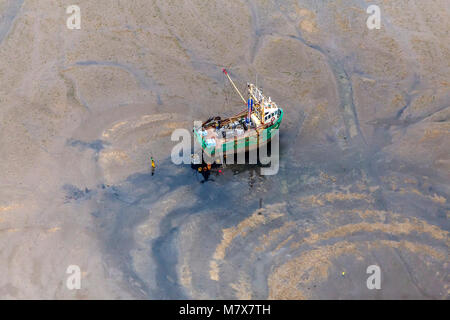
(364, 150)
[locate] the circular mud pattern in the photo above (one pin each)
(364, 150)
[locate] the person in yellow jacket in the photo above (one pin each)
(153, 163)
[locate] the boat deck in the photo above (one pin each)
(211, 133)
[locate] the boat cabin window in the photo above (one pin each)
(269, 115)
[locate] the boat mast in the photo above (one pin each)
(226, 73)
(258, 97)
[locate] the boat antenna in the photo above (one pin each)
(226, 73)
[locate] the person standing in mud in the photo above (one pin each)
(153, 165)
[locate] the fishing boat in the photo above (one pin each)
(249, 129)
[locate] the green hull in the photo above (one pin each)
(242, 144)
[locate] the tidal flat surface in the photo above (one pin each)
(364, 150)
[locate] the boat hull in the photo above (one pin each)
(243, 144)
